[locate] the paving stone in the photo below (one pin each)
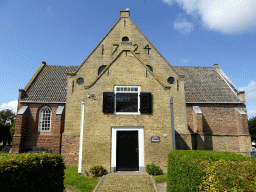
(126, 182)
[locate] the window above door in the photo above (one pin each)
(127, 100)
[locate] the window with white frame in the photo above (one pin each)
(127, 99)
(44, 123)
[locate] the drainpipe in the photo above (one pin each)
(81, 138)
(173, 129)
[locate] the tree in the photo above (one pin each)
(6, 116)
(252, 127)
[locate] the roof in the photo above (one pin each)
(202, 84)
(205, 84)
(50, 84)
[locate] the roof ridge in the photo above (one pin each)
(193, 66)
(64, 65)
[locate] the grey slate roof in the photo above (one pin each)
(205, 84)
(202, 84)
(50, 84)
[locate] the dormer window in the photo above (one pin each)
(125, 39)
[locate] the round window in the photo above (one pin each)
(80, 81)
(170, 80)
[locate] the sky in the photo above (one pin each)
(186, 32)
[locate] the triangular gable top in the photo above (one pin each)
(126, 16)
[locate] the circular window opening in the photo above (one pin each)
(125, 39)
(80, 81)
(170, 80)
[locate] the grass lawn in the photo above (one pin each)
(76, 180)
(2, 153)
(160, 178)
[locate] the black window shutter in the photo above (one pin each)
(146, 102)
(108, 102)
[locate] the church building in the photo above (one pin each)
(125, 106)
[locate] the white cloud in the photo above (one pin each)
(170, 2)
(183, 25)
(226, 16)
(250, 87)
(250, 91)
(251, 113)
(183, 61)
(11, 105)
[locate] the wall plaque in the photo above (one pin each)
(253, 152)
(155, 139)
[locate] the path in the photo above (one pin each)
(126, 181)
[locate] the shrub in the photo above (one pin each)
(198, 169)
(32, 172)
(98, 171)
(154, 170)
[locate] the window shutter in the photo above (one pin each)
(146, 102)
(108, 102)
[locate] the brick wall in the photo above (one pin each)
(126, 67)
(30, 136)
(70, 149)
(223, 128)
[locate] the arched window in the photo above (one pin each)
(101, 68)
(44, 123)
(125, 39)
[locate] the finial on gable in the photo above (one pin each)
(215, 64)
(125, 13)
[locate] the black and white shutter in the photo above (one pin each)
(146, 102)
(108, 102)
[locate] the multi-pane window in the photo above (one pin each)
(127, 99)
(44, 123)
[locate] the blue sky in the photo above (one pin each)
(186, 32)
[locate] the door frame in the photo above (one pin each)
(140, 144)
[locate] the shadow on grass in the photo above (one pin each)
(160, 178)
(78, 181)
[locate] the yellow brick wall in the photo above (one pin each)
(125, 67)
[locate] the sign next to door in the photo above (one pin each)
(155, 139)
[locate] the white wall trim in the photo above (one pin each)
(81, 138)
(140, 142)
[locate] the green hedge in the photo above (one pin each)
(32, 172)
(188, 171)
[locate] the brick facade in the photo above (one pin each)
(219, 126)
(26, 130)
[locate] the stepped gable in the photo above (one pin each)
(49, 85)
(205, 84)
